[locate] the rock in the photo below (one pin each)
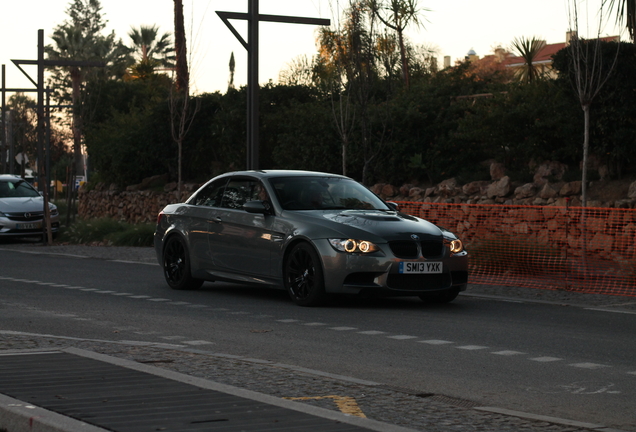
(571, 188)
(549, 169)
(474, 188)
(389, 191)
(632, 191)
(377, 188)
(497, 171)
(548, 191)
(447, 187)
(415, 192)
(526, 191)
(405, 189)
(499, 188)
(430, 191)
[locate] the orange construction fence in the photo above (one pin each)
(588, 250)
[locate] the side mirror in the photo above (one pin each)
(393, 206)
(259, 207)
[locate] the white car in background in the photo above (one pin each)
(22, 209)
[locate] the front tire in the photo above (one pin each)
(303, 275)
(176, 265)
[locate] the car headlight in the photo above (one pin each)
(456, 246)
(353, 246)
(53, 210)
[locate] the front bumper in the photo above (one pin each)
(10, 227)
(378, 273)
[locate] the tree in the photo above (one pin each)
(80, 38)
(528, 50)
(147, 44)
(23, 130)
(183, 80)
(589, 73)
(397, 15)
(625, 14)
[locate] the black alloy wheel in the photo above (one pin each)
(304, 279)
(176, 266)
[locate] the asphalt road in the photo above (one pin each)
(543, 358)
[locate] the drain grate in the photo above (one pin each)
(125, 400)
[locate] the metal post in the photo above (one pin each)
(10, 140)
(3, 135)
(47, 141)
(252, 86)
(253, 17)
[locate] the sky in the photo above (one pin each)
(452, 26)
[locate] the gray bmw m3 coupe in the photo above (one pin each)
(310, 233)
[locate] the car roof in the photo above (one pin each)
(10, 177)
(282, 173)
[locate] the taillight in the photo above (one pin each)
(159, 217)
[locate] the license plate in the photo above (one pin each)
(420, 267)
(29, 225)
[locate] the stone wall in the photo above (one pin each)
(129, 206)
(546, 190)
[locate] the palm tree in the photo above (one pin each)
(397, 15)
(625, 14)
(528, 50)
(80, 38)
(149, 47)
(183, 77)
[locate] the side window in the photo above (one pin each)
(239, 191)
(211, 195)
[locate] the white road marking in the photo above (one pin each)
(436, 342)
(508, 353)
(372, 332)
(402, 337)
(173, 337)
(180, 303)
(545, 359)
(314, 324)
(159, 300)
(288, 320)
(343, 328)
(140, 297)
(588, 365)
(198, 342)
(104, 292)
(471, 347)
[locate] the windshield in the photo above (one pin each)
(324, 193)
(17, 189)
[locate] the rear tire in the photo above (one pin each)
(176, 265)
(441, 297)
(303, 275)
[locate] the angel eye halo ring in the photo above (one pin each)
(353, 246)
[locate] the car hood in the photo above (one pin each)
(375, 225)
(22, 205)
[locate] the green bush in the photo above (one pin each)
(108, 231)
